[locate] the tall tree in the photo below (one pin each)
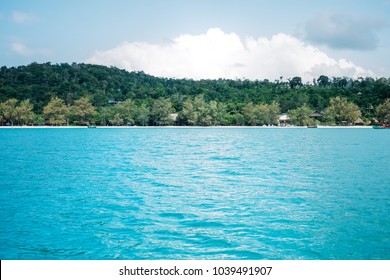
(160, 112)
(273, 113)
(188, 114)
(201, 111)
(249, 114)
(24, 113)
(383, 112)
(300, 116)
(340, 111)
(83, 111)
(262, 114)
(56, 112)
(217, 111)
(141, 115)
(296, 82)
(127, 109)
(8, 110)
(116, 120)
(323, 81)
(105, 114)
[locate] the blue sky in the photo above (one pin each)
(202, 39)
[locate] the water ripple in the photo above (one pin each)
(194, 194)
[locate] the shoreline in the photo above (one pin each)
(182, 127)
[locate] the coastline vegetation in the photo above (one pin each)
(82, 94)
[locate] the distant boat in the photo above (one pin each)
(91, 126)
(381, 126)
(311, 126)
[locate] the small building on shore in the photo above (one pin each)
(359, 121)
(284, 120)
(316, 115)
(173, 117)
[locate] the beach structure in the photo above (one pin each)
(359, 121)
(173, 117)
(113, 102)
(284, 120)
(315, 115)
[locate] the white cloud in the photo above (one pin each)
(216, 54)
(23, 50)
(22, 17)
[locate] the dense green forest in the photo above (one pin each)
(80, 94)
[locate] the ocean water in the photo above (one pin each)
(194, 193)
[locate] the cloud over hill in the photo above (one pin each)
(217, 54)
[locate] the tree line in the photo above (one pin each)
(81, 94)
(196, 112)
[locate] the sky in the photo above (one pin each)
(203, 39)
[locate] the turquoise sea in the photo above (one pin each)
(194, 193)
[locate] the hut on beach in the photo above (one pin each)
(359, 121)
(315, 115)
(284, 120)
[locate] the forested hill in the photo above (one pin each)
(105, 86)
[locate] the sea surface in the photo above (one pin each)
(194, 193)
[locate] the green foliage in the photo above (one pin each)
(160, 112)
(262, 114)
(340, 111)
(383, 112)
(24, 113)
(8, 110)
(108, 96)
(21, 114)
(300, 116)
(56, 112)
(199, 112)
(323, 81)
(82, 111)
(273, 113)
(296, 82)
(116, 120)
(141, 115)
(126, 110)
(189, 115)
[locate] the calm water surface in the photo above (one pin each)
(208, 193)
